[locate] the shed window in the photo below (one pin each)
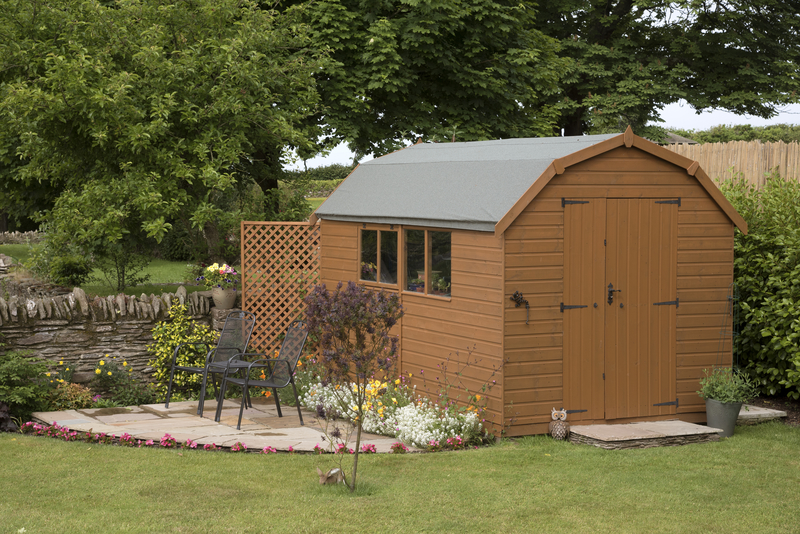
(377, 267)
(427, 259)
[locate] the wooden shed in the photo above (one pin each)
(593, 271)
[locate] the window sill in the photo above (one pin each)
(426, 295)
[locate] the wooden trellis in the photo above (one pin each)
(280, 264)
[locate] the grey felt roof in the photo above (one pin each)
(467, 186)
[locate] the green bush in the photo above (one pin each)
(68, 396)
(167, 335)
(767, 272)
(70, 270)
(22, 384)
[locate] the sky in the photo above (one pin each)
(680, 115)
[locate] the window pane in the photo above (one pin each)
(415, 260)
(369, 255)
(389, 257)
(440, 263)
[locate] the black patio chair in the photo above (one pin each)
(232, 343)
(279, 371)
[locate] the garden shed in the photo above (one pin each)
(590, 273)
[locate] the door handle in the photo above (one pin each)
(611, 291)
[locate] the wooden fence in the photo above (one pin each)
(753, 159)
(280, 264)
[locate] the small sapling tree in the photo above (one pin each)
(352, 325)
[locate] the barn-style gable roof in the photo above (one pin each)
(481, 185)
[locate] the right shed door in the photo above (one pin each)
(635, 331)
(640, 344)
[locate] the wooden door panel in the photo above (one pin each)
(641, 264)
(584, 273)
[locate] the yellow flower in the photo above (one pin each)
(97, 371)
(102, 362)
(48, 374)
(477, 397)
(397, 382)
(61, 362)
(124, 364)
(299, 363)
(67, 369)
(109, 373)
(394, 400)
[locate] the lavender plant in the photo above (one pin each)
(352, 325)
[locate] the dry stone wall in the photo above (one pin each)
(79, 331)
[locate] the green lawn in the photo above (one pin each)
(748, 483)
(18, 252)
(315, 202)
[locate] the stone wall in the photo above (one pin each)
(19, 238)
(79, 331)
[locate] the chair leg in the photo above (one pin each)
(169, 387)
(277, 402)
(222, 387)
(297, 401)
(202, 393)
(241, 407)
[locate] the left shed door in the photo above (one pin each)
(584, 313)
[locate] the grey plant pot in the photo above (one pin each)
(722, 415)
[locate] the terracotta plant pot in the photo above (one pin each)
(224, 299)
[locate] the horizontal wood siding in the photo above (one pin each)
(462, 334)
(534, 246)
(338, 252)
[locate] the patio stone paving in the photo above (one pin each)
(261, 426)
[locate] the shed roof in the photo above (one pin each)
(479, 185)
(467, 186)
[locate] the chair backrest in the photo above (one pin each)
(235, 335)
(291, 350)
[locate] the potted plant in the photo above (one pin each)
(417, 284)
(725, 390)
(222, 281)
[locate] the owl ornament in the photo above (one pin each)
(559, 428)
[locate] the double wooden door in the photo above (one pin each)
(619, 309)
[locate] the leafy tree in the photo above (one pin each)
(135, 113)
(632, 57)
(352, 325)
(787, 133)
(432, 69)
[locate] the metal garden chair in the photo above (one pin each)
(278, 371)
(232, 343)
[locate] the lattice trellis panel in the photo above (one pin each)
(280, 265)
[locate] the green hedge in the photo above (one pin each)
(767, 272)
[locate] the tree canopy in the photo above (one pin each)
(433, 70)
(136, 113)
(632, 57)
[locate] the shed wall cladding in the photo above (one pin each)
(690, 252)
(440, 331)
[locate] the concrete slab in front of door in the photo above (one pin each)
(643, 435)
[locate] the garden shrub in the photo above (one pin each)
(22, 384)
(167, 335)
(69, 396)
(767, 273)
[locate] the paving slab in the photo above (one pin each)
(752, 415)
(642, 435)
(261, 426)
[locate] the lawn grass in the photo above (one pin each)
(165, 277)
(315, 202)
(745, 484)
(20, 253)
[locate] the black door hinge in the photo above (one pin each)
(563, 307)
(576, 411)
(675, 303)
(564, 202)
(675, 201)
(675, 402)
